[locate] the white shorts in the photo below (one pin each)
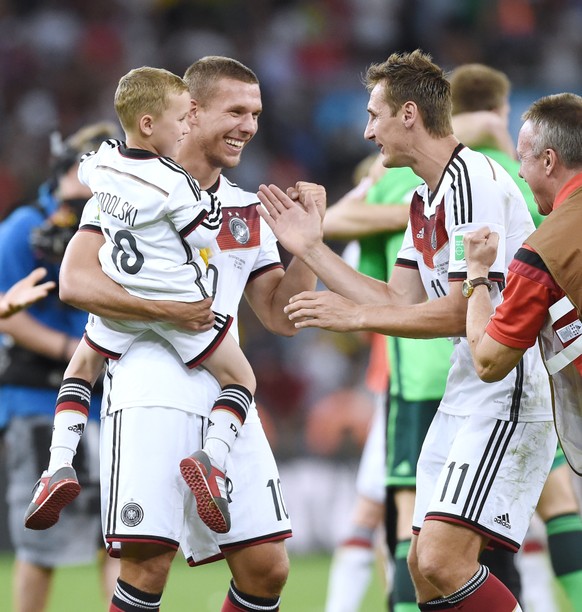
(145, 499)
(112, 338)
(483, 473)
(371, 478)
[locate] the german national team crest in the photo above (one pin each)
(239, 229)
(131, 514)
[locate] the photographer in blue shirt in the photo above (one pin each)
(35, 348)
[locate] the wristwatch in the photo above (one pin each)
(470, 284)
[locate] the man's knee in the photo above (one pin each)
(146, 566)
(447, 554)
(260, 570)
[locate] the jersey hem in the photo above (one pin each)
(495, 540)
(275, 537)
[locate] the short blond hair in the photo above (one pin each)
(145, 91)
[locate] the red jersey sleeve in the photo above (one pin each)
(529, 293)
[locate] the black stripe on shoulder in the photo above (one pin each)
(193, 224)
(463, 199)
(172, 165)
(531, 259)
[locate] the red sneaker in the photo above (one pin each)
(51, 495)
(208, 484)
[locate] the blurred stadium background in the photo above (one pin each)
(60, 61)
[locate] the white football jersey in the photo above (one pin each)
(244, 249)
(155, 218)
(475, 191)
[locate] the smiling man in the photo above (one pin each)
(485, 440)
(153, 401)
(543, 293)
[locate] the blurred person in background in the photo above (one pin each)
(36, 347)
(24, 293)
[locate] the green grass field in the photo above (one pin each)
(200, 589)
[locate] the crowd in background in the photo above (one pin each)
(60, 61)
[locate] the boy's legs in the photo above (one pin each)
(204, 470)
(75, 539)
(58, 484)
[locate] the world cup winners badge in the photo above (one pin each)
(239, 229)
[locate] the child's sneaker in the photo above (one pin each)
(51, 495)
(208, 484)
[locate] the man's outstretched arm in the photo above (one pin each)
(356, 302)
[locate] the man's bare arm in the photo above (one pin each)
(408, 314)
(37, 337)
(352, 217)
(84, 285)
(269, 293)
(299, 230)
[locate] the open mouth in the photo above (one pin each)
(235, 142)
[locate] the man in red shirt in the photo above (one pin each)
(543, 296)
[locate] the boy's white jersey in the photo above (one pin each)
(244, 249)
(475, 191)
(155, 218)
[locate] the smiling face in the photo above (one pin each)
(170, 127)
(384, 128)
(532, 168)
(227, 122)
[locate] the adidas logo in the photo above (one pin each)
(79, 428)
(503, 520)
(221, 484)
(39, 490)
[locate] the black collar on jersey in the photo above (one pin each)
(136, 153)
(456, 151)
(214, 188)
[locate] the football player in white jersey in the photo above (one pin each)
(490, 446)
(155, 219)
(147, 512)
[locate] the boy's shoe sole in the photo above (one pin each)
(51, 495)
(208, 485)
